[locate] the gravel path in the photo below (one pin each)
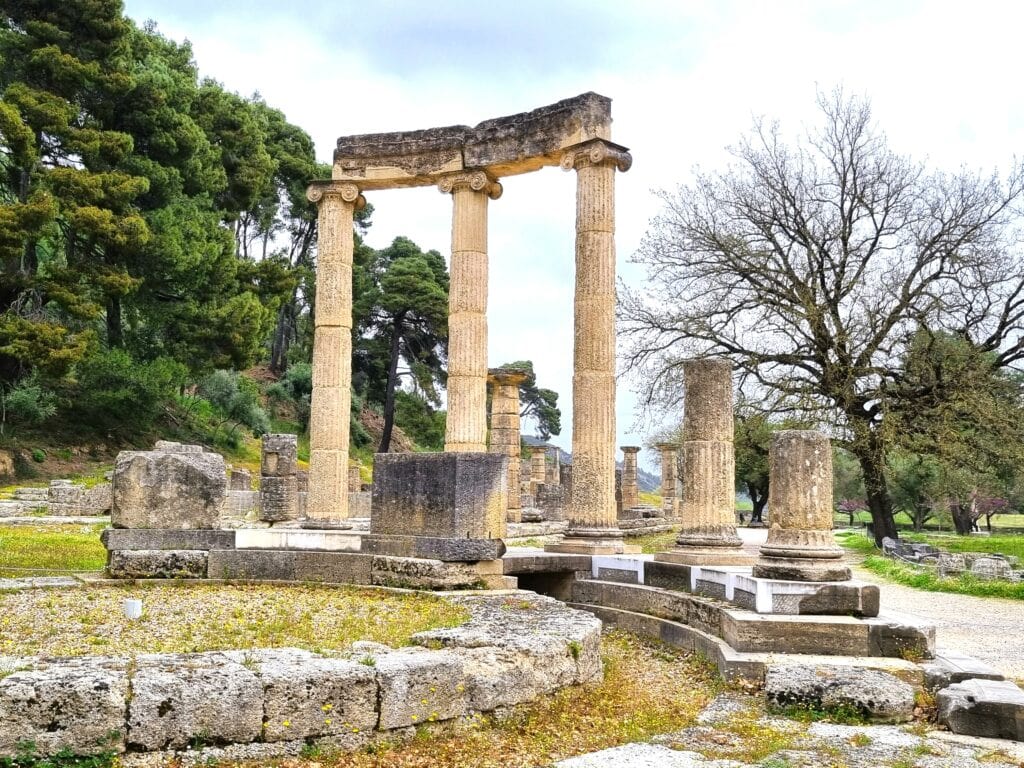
(988, 628)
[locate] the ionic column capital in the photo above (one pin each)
(596, 152)
(478, 181)
(345, 190)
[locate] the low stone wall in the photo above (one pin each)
(514, 648)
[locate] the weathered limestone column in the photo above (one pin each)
(355, 478)
(538, 467)
(278, 486)
(332, 355)
(708, 506)
(669, 461)
(630, 489)
(593, 525)
(466, 428)
(800, 545)
(505, 430)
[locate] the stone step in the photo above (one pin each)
(31, 494)
(752, 632)
(992, 708)
(950, 667)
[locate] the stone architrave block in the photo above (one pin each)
(180, 699)
(157, 564)
(878, 695)
(419, 686)
(76, 705)
(306, 696)
(158, 489)
(442, 495)
(992, 708)
(154, 538)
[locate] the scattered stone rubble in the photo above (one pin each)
(987, 566)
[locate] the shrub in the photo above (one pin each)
(26, 402)
(237, 398)
(114, 392)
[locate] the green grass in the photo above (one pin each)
(90, 620)
(963, 584)
(654, 542)
(928, 580)
(50, 549)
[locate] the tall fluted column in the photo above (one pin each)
(466, 428)
(330, 404)
(708, 508)
(505, 430)
(669, 478)
(593, 523)
(800, 545)
(630, 489)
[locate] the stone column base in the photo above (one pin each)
(706, 556)
(801, 569)
(590, 541)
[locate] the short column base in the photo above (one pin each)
(801, 569)
(590, 541)
(706, 556)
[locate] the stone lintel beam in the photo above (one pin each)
(505, 146)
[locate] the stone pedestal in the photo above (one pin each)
(800, 545)
(174, 486)
(332, 354)
(442, 506)
(278, 485)
(630, 489)
(669, 459)
(707, 508)
(355, 479)
(593, 526)
(505, 439)
(466, 426)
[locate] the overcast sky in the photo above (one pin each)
(686, 80)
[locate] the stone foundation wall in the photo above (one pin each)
(164, 702)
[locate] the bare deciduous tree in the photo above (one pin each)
(812, 266)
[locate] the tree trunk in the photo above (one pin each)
(115, 338)
(758, 498)
(872, 464)
(961, 514)
(389, 401)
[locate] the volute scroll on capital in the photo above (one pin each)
(348, 192)
(478, 181)
(596, 152)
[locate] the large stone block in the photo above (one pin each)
(157, 564)
(431, 548)
(156, 538)
(74, 704)
(305, 696)
(280, 455)
(993, 708)
(443, 495)
(202, 697)
(291, 565)
(156, 489)
(877, 695)
(419, 686)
